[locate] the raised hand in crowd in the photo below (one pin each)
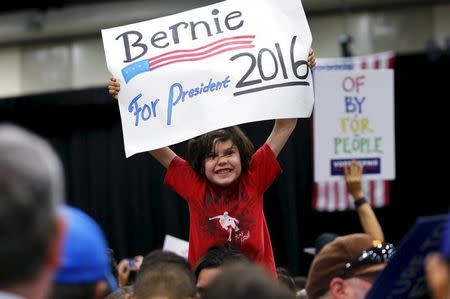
(353, 180)
(127, 270)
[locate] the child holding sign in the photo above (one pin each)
(223, 181)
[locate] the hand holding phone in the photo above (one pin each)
(133, 264)
(127, 270)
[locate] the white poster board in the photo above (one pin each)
(354, 119)
(176, 245)
(220, 65)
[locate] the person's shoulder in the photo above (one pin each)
(264, 152)
(177, 161)
(263, 149)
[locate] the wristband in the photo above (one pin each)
(359, 202)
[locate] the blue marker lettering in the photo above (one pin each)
(153, 103)
(134, 106)
(171, 102)
(177, 93)
(145, 112)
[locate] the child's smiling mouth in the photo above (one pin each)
(223, 171)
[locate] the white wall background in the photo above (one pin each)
(63, 50)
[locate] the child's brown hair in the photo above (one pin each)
(200, 147)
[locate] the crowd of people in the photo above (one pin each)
(52, 250)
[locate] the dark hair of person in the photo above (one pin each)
(286, 279)
(120, 293)
(243, 281)
(200, 147)
(217, 256)
(158, 257)
(73, 291)
(169, 280)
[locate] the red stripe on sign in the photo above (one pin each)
(205, 46)
(391, 62)
(202, 57)
(371, 198)
(327, 195)
(364, 64)
(336, 195)
(210, 50)
(377, 63)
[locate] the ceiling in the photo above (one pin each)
(311, 6)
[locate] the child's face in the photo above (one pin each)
(223, 164)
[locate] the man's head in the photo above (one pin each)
(31, 187)
(85, 271)
(164, 274)
(347, 266)
(242, 281)
(164, 280)
(159, 256)
(209, 266)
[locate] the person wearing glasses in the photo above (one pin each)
(347, 267)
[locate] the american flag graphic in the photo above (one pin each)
(200, 53)
(333, 196)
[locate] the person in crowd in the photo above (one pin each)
(347, 267)
(437, 267)
(121, 293)
(164, 274)
(153, 267)
(300, 282)
(85, 270)
(127, 269)
(31, 232)
(223, 181)
(286, 279)
(246, 280)
(159, 256)
(353, 174)
(212, 262)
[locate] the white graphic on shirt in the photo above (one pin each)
(228, 223)
(242, 237)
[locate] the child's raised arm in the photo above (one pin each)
(284, 127)
(164, 155)
(281, 131)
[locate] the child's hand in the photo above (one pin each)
(311, 58)
(113, 87)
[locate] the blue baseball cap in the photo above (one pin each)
(85, 257)
(445, 244)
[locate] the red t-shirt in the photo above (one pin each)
(232, 214)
